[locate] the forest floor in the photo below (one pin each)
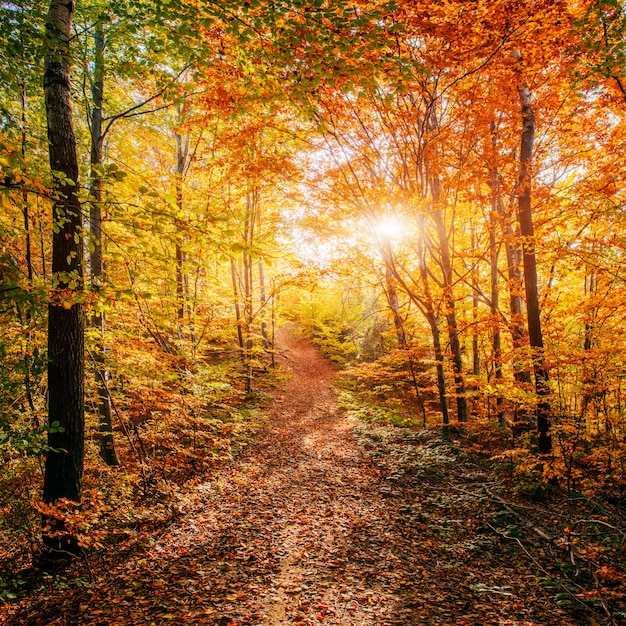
(323, 520)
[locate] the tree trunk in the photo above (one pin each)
(394, 306)
(434, 186)
(28, 244)
(105, 423)
(453, 333)
(589, 373)
(262, 290)
(28, 359)
(392, 294)
(475, 337)
(235, 280)
(530, 271)
(496, 339)
(515, 285)
(248, 282)
(263, 294)
(425, 303)
(433, 322)
(475, 334)
(63, 475)
(513, 259)
(273, 300)
(182, 278)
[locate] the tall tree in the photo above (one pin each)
(182, 277)
(105, 424)
(531, 288)
(63, 475)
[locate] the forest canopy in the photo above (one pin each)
(434, 192)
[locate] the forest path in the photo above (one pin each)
(296, 530)
(308, 525)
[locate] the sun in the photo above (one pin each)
(390, 227)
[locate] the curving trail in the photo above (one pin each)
(289, 524)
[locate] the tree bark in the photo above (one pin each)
(105, 423)
(434, 186)
(475, 333)
(392, 294)
(527, 233)
(514, 274)
(248, 282)
(63, 475)
(496, 338)
(262, 290)
(28, 253)
(394, 305)
(182, 278)
(433, 322)
(235, 281)
(589, 373)
(263, 295)
(453, 332)
(515, 284)
(425, 303)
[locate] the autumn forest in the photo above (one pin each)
(313, 312)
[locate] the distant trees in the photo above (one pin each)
(453, 132)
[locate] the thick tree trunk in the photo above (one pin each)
(63, 475)
(530, 272)
(105, 422)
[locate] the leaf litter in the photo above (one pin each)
(320, 520)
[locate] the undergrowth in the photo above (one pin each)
(356, 406)
(483, 504)
(176, 422)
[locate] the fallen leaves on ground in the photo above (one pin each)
(320, 521)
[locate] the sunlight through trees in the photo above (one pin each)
(434, 193)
